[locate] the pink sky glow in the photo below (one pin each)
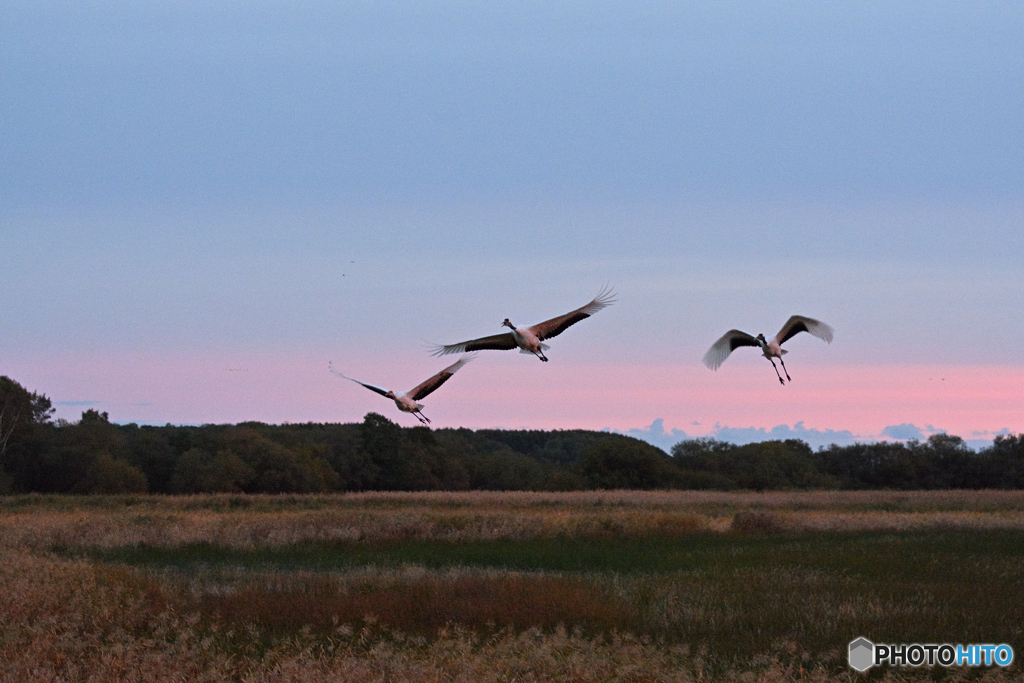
(512, 391)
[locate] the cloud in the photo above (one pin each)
(656, 435)
(907, 432)
(814, 437)
(984, 438)
(985, 432)
(76, 403)
(904, 431)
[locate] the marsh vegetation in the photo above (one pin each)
(587, 586)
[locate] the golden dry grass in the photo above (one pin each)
(67, 619)
(42, 522)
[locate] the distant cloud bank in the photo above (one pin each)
(657, 435)
(903, 431)
(815, 437)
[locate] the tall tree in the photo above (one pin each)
(22, 414)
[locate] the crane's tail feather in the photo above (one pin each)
(543, 347)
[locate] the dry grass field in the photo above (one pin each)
(600, 586)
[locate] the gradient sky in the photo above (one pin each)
(203, 203)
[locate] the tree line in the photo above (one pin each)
(94, 455)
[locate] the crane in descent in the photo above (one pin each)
(531, 339)
(733, 339)
(407, 402)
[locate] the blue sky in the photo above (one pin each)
(321, 102)
(192, 185)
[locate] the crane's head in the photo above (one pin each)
(761, 338)
(391, 395)
(507, 323)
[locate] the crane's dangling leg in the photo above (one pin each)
(781, 381)
(540, 354)
(785, 370)
(421, 417)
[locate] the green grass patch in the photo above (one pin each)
(619, 555)
(915, 555)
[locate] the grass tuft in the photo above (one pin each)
(756, 522)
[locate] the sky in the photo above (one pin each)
(201, 204)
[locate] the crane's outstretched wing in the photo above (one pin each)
(730, 341)
(371, 387)
(424, 389)
(498, 342)
(798, 323)
(556, 326)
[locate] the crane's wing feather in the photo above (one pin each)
(426, 388)
(798, 323)
(556, 326)
(371, 387)
(496, 342)
(729, 342)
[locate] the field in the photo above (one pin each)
(626, 586)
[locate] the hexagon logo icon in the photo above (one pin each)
(862, 654)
